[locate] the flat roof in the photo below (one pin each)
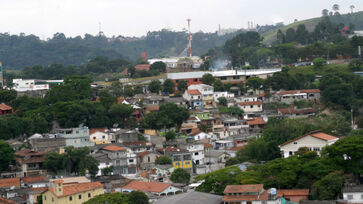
(250, 72)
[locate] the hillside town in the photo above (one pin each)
(246, 122)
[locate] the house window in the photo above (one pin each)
(223, 78)
(361, 196)
(103, 137)
(52, 199)
(70, 198)
(131, 160)
(316, 149)
(45, 197)
(235, 77)
(80, 196)
(197, 153)
(89, 195)
(251, 106)
(148, 159)
(94, 138)
(290, 153)
(295, 142)
(195, 80)
(350, 197)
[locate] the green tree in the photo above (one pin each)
(325, 12)
(222, 101)
(107, 171)
(255, 83)
(81, 85)
(208, 79)
(329, 187)
(319, 63)
(182, 86)
(119, 113)
(218, 85)
(107, 99)
(158, 67)
(155, 86)
(176, 114)
(128, 91)
(168, 86)
(170, 135)
(138, 197)
(290, 35)
(7, 95)
(180, 176)
(6, 155)
(110, 198)
(163, 160)
(138, 90)
(232, 161)
(54, 162)
(355, 65)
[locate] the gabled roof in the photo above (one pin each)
(28, 152)
(137, 143)
(256, 121)
(94, 130)
(193, 92)
(292, 192)
(292, 110)
(316, 134)
(153, 187)
(34, 179)
(243, 188)
(141, 154)
(113, 148)
(77, 188)
(239, 198)
(8, 182)
(6, 201)
(5, 107)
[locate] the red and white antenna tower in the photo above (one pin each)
(189, 38)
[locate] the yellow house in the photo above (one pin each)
(77, 193)
(182, 160)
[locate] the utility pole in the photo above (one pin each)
(360, 53)
(1, 75)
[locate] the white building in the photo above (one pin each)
(313, 141)
(251, 107)
(21, 85)
(353, 194)
(200, 136)
(196, 150)
(99, 136)
(206, 92)
(225, 94)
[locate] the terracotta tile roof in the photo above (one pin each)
(256, 121)
(147, 186)
(261, 95)
(31, 160)
(141, 154)
(113, 148)
(78, 188)
(28, 152)
(174, 149)
(5, 107)
(8, 182)
(316, 134)
(58, 181)
(243, 188)
(120, 100)
(250, 103)
(207, 145)
(124, 72)
(94, 130)
(193, 92)
(324, 136)
(6, 201)
(292, 192)
(34, 179)
(142, 67)
(152, 108)
(298, 91)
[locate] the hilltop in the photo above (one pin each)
(355, 18)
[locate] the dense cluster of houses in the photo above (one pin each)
(206, 140)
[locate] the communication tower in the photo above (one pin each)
(189, 38)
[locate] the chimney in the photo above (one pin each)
(58, 187)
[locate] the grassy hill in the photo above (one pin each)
(355, 18)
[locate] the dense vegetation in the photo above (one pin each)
(22, 50)
(135, 197)
(304, 170)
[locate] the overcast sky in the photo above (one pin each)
(136, 17)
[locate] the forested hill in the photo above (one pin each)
(351, 18)
(19, 51)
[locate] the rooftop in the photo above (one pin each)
(113, 148)
(193, 92)
(153, 187)
(78, 188)
(256, 121)
(5, 107)
(292, 192)
(316, 134)
(9, 182)
(250, 103)
(142, 67)
(243, 188)
(191, 197)
(298, 91)
(94, 130)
